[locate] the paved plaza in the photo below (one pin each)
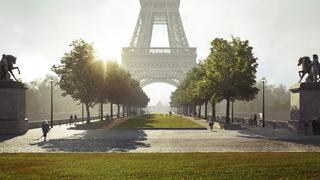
(103, 139)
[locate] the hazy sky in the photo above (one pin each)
(38, 32)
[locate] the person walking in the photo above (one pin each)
(75, 119)
(107, 117)
(45, 129)
(211, 122)
(70, 120)
(255, 119)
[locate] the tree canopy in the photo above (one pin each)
(90, 80)
(229, 72)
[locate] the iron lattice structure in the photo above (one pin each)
(159, 64)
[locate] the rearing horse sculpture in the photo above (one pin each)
(6, 66)
(306, 68)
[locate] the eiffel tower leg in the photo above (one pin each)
(177, 35)
(143, 31)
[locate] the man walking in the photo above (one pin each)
(211, 122)
(75, 119)
(45, 129)
(70, 120)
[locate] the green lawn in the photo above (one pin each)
(159, 121)
(161, 166)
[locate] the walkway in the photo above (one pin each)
(100, 138)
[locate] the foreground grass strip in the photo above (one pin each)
(159, 121)
(161, 166)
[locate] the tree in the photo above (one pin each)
(232, 67)
(76, 74)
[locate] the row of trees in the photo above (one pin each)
(91, 81)
(38, 100)
(228, 73)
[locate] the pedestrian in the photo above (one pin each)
(107, 117)
(314, 127)
(170, 113)
(75, 119)
(255, 120)
(211, 122)
(70, 120)
(45, 129)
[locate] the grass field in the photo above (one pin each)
(159, 121)
(161, 166)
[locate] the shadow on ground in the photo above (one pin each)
(4, 137)
(283, 135)
(91, 126)
(93, 138)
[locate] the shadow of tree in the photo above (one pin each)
(100, 140)
(91, 126)
(283, 135)
(4, 137)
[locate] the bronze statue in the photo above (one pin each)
(315, 68)
(6, 66)
(306, 68)
(312, 68)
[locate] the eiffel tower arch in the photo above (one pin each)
(159, 64)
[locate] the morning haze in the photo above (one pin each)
(97, 76)
(39, 32)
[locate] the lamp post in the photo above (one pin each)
(51, 109)
(82, 113)
(232, 111)
(263, 103)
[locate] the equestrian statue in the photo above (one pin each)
(311, 68)
(6, 66)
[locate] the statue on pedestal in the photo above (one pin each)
(6, 66)
(305, 97)
(12, 98)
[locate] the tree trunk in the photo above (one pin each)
(111, 110)
(232, 111)
(128, 113)
(101, 111)
(206, 110)
(199, 111)
(213, 108)
(88, 113)
(123, 110)
(228, 111)
(118, 114)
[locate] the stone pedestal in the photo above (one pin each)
(305, 106)
(13, 108)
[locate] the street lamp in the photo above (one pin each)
(82, 113)
(51, 111)
(263, 103)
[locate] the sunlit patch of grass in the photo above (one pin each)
(159, 121)
(161, 166)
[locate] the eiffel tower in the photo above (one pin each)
(159, 64)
